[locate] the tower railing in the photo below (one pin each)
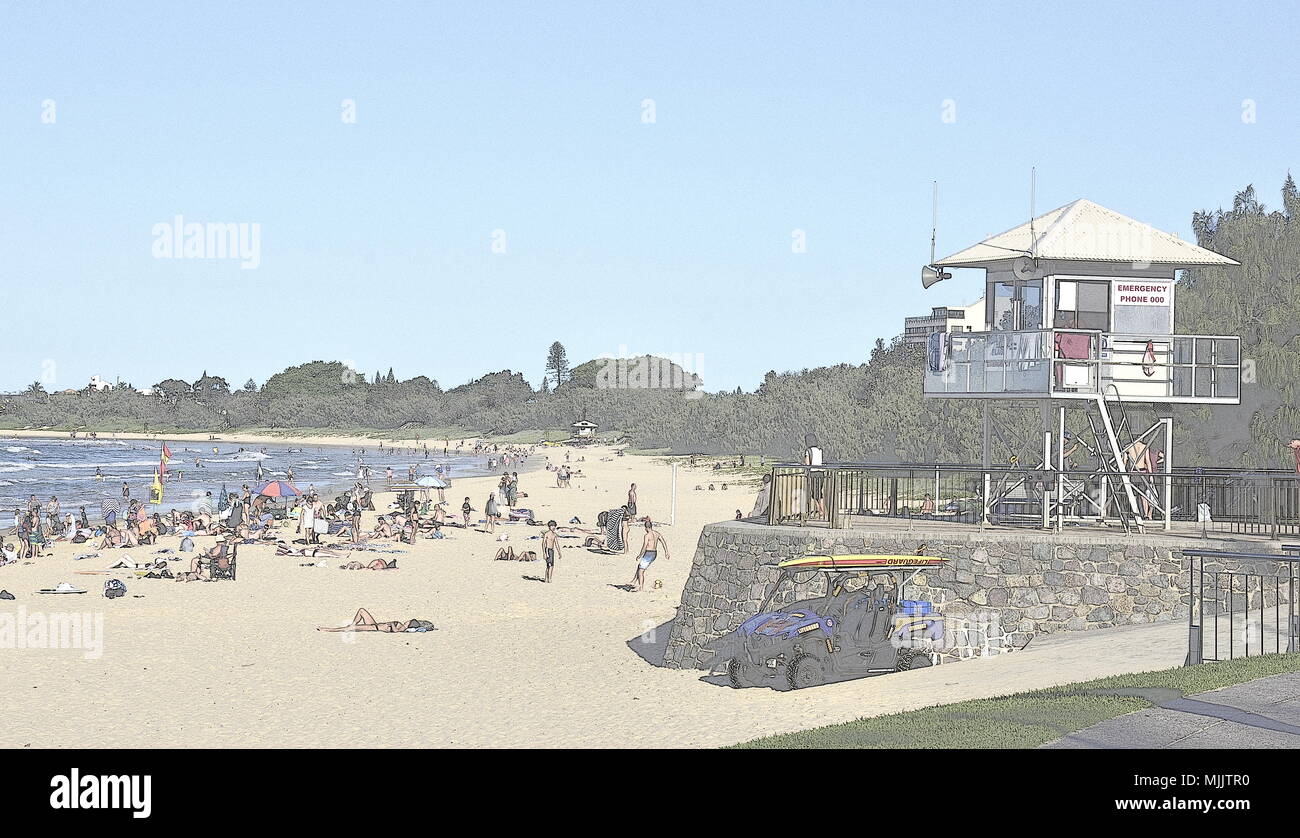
(1201, 501)
(1082, 363)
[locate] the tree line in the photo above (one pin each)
(867, 411)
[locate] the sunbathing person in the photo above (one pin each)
(311, 552)
(377, 564)
(407, 534)
(364, 622)
(112, 538)
(382, 529)
(195, 573)
(218, 556)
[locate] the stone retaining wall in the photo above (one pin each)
(1032, 582)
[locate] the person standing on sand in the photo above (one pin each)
(490, 512)
(550, 548)
(631, 501)
(354, 519)
(307, 520)
(650, 547)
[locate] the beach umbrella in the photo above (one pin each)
(279, 489)
(431, 482)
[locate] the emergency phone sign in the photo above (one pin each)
(1142, 293)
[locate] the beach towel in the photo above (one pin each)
(62, 588)
(1073, 345)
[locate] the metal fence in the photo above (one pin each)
(1242, 604)
(1226, 501)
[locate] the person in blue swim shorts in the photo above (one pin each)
(651, 546)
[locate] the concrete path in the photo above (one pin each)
(1264, 713)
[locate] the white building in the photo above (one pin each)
(99, 384)
(944, 319)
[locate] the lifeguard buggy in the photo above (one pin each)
(855, 622)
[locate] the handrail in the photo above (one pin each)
(1232, 554)
(1187, 471)
(1242, 501)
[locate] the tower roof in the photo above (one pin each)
(1085, 232)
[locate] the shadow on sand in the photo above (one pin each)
(652, 645)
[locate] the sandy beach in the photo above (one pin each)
(514, 662)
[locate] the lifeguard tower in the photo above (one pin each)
(1079, 313)
(583, 431)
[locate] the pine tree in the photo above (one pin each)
(557, 363)
(1290, 197)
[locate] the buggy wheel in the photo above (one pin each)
(739, 673)
(911, 659)
(805, 671)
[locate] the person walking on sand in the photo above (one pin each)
(550, 548)
(650, 547)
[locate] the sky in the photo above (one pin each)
(621, 179)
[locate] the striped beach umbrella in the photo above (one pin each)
(278, 489)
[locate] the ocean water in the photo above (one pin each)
(65, 468)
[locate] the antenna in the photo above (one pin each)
(931, 273)
(1033, 185)
(934, 220)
